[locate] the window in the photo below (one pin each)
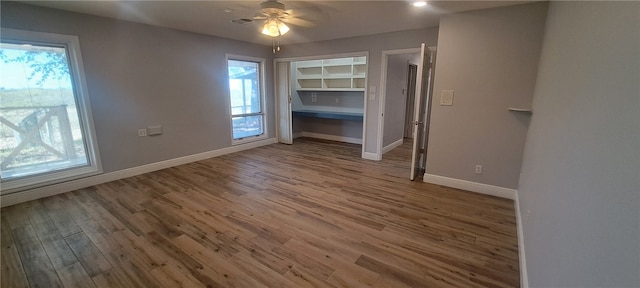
(246, 98)
(45, 130)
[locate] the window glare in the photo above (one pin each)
(245, 98)
(40, 130)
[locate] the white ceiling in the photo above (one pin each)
(333, 19)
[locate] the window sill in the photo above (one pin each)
(23, 184)
(248, 139)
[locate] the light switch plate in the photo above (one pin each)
(446, 98)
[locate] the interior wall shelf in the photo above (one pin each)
(337, 74)
(525, 110)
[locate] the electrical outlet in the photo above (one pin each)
(478, 169)
(526, 216)
(142, 132)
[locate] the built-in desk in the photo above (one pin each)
(329, 115)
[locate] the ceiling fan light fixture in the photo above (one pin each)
(274, 27)
(283, 28)
(420, 3)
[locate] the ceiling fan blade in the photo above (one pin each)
(242, 20)
(310, 11)
(298, 22)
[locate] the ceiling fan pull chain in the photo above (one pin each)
(275, 48)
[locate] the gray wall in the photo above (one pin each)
(343, 128)
(490, 58)
(374, 44)
(343, 101)
(140, 75)
(581, 165)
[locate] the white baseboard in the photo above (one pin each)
(332, 137)
(297, 135)
(393, 145)
(471, 186)
(524, 280)
(371, 156)
(50, 190)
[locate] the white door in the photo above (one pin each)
(422, 110)
(283, 94)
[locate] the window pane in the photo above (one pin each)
(247, 126)
(244, 86)
(40, 126)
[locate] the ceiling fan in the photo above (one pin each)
(275, 19)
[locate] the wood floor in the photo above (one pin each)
(312, 214)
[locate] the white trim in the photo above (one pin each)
(298, 135)
(71, 44)
(363, 141)
(245, 140)
(371, 156)
(325, 56)
(524, 279)
(332, 137)
(28, 195)
(261, 67)
(393, 145)
(471, 186)
(381, 104)
(402, 51)
(276, 99)
(283, 110)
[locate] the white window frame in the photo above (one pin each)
(261, 63)
(76, 67)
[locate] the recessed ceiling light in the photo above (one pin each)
(419, 3)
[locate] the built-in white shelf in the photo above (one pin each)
(336, 74)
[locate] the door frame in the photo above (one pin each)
(318, 57)
(382, 92)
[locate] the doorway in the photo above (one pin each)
(398, 87)
(401, 120)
